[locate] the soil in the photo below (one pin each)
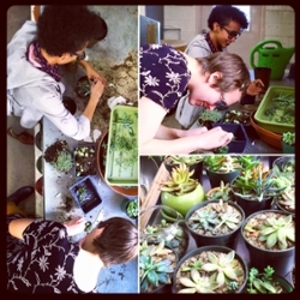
(204, 257)
(259, 219)
(222, 230)
(82, 87)
(52, 151)
(85, 165)
(232, 117)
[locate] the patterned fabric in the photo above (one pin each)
(163, 74)
(43, 262)
(51, 70)
(210, 43)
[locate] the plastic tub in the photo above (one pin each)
(268, 121)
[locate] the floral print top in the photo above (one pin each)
(164, 74)
(43, 262)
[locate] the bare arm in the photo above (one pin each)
(17, 227)
(155, 138)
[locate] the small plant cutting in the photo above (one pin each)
(85, 161)
(180, 191)
(59, 156)
(221, 163)
(156, 265)
(264, 283)
(211, 270)
(289, 138)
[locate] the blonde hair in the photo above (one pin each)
(234, 70)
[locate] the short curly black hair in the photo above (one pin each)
(223, 14)
(67, 29)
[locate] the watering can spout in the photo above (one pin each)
(276, 58)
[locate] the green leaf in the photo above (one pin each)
(208, 267)
(272, 240)
(153, 278)
(187, 282)
(212, 258)
(187, 291)
(269, 287)
(220, 278)
(229, 272)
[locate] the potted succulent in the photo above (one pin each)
(255, 187)
(288, 142)
(156, 265)
(59, 156)
(85, 160)
(222, 192)
(194, 162)
(210, 270)
(221, 168)
(286, 200)
(215, 222)
(270, 239)
(161, 227)
(83, 87)
(286, 165)
(208, 117)
(180, 191)
(131, 207)
(267, 282)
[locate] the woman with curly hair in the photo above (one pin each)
(34, 87)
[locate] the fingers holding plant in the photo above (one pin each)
(97, 87)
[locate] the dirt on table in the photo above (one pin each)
(52, 151)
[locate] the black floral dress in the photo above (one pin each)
(43, 262)
(163, 74)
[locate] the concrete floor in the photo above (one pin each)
(20, 157)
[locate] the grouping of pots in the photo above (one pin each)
(217, 263)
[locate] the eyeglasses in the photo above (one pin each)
(221, 105)
(81, 56)
(232, 34)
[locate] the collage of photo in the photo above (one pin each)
(150, 149)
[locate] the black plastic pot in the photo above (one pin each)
(216, 178)
(250, 206)
(282, 160)
(210, 248)
(281, 207)
(282, 261)
(80, 93)
(221, 240)
(238, 145)
(247, 99)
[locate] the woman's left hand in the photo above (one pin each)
(255, 88)
(75, 226)
(92, 73)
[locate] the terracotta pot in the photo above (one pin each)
(271, 138)
(121, 190)
(39, 185)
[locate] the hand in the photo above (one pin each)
(92, 74)
(75, 226)
(194, 132)
(214, 138)
(255, 88)
(97, 88)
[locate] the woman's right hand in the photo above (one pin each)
(97, 88)
(214, 138)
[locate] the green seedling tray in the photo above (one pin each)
(268, 103)
(122, 150)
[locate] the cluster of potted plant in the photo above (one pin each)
(85, 160)
(131, 207)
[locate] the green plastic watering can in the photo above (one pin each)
(276, 58)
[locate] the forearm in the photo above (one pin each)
(91, 107)
(83, 63)
(16, 227)
(167, 133)
(180, 145)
